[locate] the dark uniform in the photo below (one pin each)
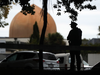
(74, 39)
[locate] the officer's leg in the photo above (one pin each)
(72, 66)
(78, 60)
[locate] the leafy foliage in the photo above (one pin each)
(26, 8)
(54, 39)
(85, 42)
(4, 7)
(3, 24)
(34, 39)
(78, 5)
(4, 11)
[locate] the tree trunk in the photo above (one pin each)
(43, 34)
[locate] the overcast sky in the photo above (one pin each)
(88, 21)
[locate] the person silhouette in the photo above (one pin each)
(74, 39)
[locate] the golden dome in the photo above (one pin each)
(22, 25)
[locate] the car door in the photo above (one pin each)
(16, 60)
(9, 61)
(20, 60)
(26, 59)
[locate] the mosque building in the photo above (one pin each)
(22, 25)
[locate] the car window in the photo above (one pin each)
(69, 60)
(61, 60)
(85, 63)
(26, 56)
(12, 58)
(49, 57)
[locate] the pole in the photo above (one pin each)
(43, 34)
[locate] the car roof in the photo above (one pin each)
(62, 54)
(32, 52)
(26, 51)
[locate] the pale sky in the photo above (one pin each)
(88, 21)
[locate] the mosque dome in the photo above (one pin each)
(22, 25)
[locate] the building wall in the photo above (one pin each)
(93, 59)
(12, 39)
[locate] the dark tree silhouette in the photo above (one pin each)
(43, 32)
(4, 11)
(34, 39)
(26, 8)
(55, 39)
(78, 5)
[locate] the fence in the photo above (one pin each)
(47, 48)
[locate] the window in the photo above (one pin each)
(49, 57)
(69, 59)
(12, 58)
(26, 56)
(61, 60)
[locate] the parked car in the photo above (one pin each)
(30, 59)
(86, 66)
(65, 60)
(96, 67)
